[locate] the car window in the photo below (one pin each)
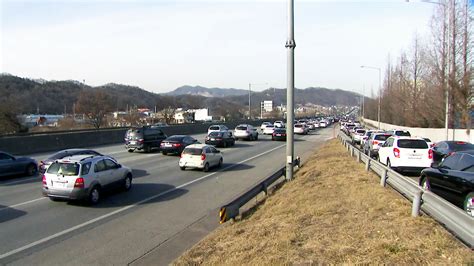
(451, 162)
(241, 128)
(207, 150)
(470, 169)
(215, 134)
(462, 146)
(110, 164)
(388, 143)
(85, 168)
(100, 166)
(442, 145)
(213, 150)
(412, 144)
(402, 133)
(192, 151)
(4, 156)
(381, 137)
(66, 169)
(214, 128)
(466, 162)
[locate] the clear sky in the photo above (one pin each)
(161, 45)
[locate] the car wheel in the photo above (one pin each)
(469, 204)
(30, 169)
(94, 195)
(130, 150)
(233, 143)
(182, 168)
(206, 167)
(127, 183)
(220, 163)
(256, 137)
(425, 184)
(164, 153)
(224, 145)
(147, 149)
(389, 165)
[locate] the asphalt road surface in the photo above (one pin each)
(126, 225)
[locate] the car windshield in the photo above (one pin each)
(381, 137)
(215, 134)
(192, 151)
(299, 125)
(66, 169)
(214, 128)
(412, 144)
(241, 128)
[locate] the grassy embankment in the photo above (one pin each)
(329, 214)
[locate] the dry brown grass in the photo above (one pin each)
(328, 215)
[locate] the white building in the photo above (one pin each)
(201, 115)
(267, 106)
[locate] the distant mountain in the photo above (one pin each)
(207, 92)
(317, 96)
(56, 97)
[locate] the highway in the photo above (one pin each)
(124, 226)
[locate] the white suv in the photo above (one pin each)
(216, 128)
(84, 177)
(200, 156)
(244, 131)
(406, 154)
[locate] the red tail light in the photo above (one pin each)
(44, 180)
(396, 153)
(176, 144)
(430, 154)
(140, 141)
(203, 157)
(374, 142)
(79, 183)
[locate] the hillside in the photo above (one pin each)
(328, 215)
(56, 97)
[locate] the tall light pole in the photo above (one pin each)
(380, 89)
(290, 91)
(446, 14)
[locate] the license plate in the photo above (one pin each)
(167, 145)
(133, 142)
(213, 139)
(278, 135)
(59, 183)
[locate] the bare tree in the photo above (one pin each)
(95, 105)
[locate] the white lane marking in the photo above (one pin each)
(43, 240)
(23, 203)
(19, 181)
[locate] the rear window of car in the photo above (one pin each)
(66, 169)
(279, 131)
(412, 144)
(270, 126)
(214, 128)
(461, 146)
(174, 138)
(361, 131)
(215, 134)
(402, 133)
(298, 125)
(192, 151)
(241, 128)
(382, 137)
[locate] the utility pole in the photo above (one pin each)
(290, 91)
(250, 91)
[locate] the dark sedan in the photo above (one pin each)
(176, 144)
(11, 165)
(220, 138)
(62, 154)
(453, 179)
(279, 134)
(444, 148)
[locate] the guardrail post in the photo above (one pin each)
(415, 208)
(367, 164)
(383, 178)
(352, 152)
(358, 156)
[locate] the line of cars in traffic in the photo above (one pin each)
(85, 174)
(446, 167)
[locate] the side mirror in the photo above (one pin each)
(119, 166)
(218, 151)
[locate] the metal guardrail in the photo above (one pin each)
(453, 218)
(231, 210)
